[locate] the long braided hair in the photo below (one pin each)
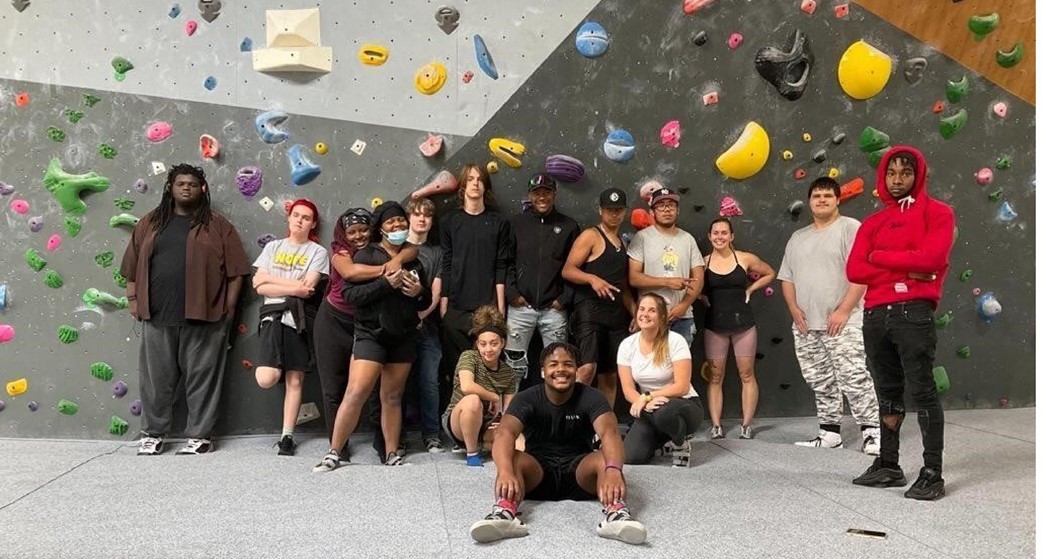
(161, 216)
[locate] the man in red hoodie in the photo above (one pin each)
(902, 253)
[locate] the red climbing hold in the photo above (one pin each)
(22, 99)
(841, 10)
(710, 98)
(641, 219)
(466, 78)
(938, 107)
(851, 189)
(242, 329)
(691, 6)
(800, 174)
(209, 146)
(246, 364)
(808, 6)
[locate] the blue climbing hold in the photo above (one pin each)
(484, 58)
(1005, 213)
(620, 146)
(211, 83)
(303, 170)
(175, 11)
(592, 40)
(266, 125)
(246, 45)
(3, 296)
(988, 306)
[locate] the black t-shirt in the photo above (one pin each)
(558, 431)
(168, 273)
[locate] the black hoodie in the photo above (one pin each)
(541, 245)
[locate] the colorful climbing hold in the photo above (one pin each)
(358, 147)
(158, 131)
(1004, 162)
(943, 320)
(246, 45)
(67, 334)
(956, 90)
(36, 223)
(1005, 213)
(266, 203)
(808, 6)
(619, 146)
(787, 155)
(209, 146)
(592, 40)
(747, 155)
(73, 116)
(52, 279)
(492, 167)
(872, 139)
(670, 134)
(799, 174)
(914, 69)
(66, 407)
(467, 76)
(35, 261)
(7, 332)
(965, 275)
(564, 168)
(140, 186)
(938, 107)
(951, 125)
(246, 364)
(768, 291)
(964, 352)
(210, 83)
(508, 151)
(710, 98)
(19, 206)
(17, 387)
(443, 183)
(735, 40)
(788, 68)
(73, 226)
(691, 6)
(430, 78)
(1000, 109)
(1009, 58)
(942, 379)
(833, 173)
(641, 219)
(806, 137)
(267, 123)
(90, 100)
(121, 66)
(484, 58)
(841, 10)
(120, 280)
(104, 259)
(376, 202)
(6, 189)
(118, 426)
(93, 297)
(174, 11)
(988, 306)
(135, 408)
(303, 170)
(55, 133)
(851, 188)
(249, 180)
(22, 99)
(242, 329)
(120, 389)
(984, 176)
(373, 55)
(107, 151)
(431, 146)
(976, 291)
(983, 25)
(863, 70)
(729, 207)
(448, 19)
(123, 220)
(124, 203)
(190, 28)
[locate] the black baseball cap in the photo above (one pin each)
(661, 195)
(613, 198)
(542, 180)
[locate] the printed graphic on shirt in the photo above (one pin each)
(669, 260)
(290, 260)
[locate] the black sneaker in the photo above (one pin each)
(928, 487)
(879, 476)
(286, 446)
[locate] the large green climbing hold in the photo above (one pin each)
(964, 352)
(34, 260)
(90, 99)
(951, 125)
(124, 203)
(874, 157)
(981, 26)
(1004, 162)
(102, 371)
(121, 66)
(104, 259)
(67, 407)
(956, 90)
(67, 334)
(73, 226)
(107, 151)
(872, 140)
(942, 379)
(56, 134)
(125, 219)
(118, 426)
(121, 281)
(66, 187)
(73, 116)
(52, 279)
(1007, 59)
(93, 297)
(943, 320)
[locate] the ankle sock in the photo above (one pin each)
(286, 432)
(508, 506)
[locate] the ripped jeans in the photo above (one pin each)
(900, 345)
(522, 321)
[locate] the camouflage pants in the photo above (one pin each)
(835, 367)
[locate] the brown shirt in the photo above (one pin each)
(214, 255)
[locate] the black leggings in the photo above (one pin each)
(671, 422)
(333, 342)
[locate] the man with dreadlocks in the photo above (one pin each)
(185, 266)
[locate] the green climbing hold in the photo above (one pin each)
(943, 320)
(102, 371)
(966, 275)
(964, 352)
(981, 26)
(90, 99)
(121, 281)
(996, 195)
(951, 125)
(874, 157)
(52, 279)
(124, 203)
(128, 220)
(73, 226)
(121, 66)
(56, 134)
(73, 116)
(104, 259)
(942, 379)
(93, 297)
(1004, 162)
(107, 151)
(118, 426)
(1007, 59)
(34, 260)
(66, 407)
(956, 90)
(66, 188)
(67, 334)
(872, 140)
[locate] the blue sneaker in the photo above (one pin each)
(475, 459)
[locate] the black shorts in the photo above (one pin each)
(447, 426)
(368, 348)
(599, 328)
(281, 347)
(559, 482)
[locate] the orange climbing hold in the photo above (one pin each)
(938, 107)
(851, 189)
(800, 174)
(242, 329)
(641, 219)
(246, 364)
(22, 99)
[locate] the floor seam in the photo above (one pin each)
(59, 476)
(442, 504)
(990, 432)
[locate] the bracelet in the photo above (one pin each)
(647, 397)
(131, 297)
(617, 467)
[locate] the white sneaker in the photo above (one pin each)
(716, 432)
(681, 455)
(746, 432)
(330, 462)
(498, 525)
(620, 526)
(825, 439)
(196, 446)
(871, 441)
(150, 446)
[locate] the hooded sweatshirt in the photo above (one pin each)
(911, 234)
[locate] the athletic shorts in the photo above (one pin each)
(389, 351)
(447, 426)
(281, 347)
(559, 482)
(598, 329)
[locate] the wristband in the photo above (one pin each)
(613, 466)
(131, 297)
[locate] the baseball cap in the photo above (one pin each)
(661, 195)
(541, 180)
(613, 198)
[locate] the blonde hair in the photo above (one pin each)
(660, 355)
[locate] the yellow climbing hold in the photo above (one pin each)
(787, 155)
(321, 148)
(430, 78)
(834, 173)
(376, 202)
(806, 137)
(508, 151)
(372, 55)
(875, 193)
(864, 70)
(16, 387)
(492, 167)
(748, 155)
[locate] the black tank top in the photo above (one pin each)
(728, 311)
(612, 266)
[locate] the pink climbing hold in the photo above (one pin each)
(7, 333)
(158, 131)
(431, 146)
(1001, 110)
(809, 6)
(191, 28)
(670, 134)
(53, 242)
(841, 10)
(729, 207)
(648, 189)
(209, 146)
(768, 291)
(984, 176)
(20, 206)
(468, 75)
(443, 183)
(977, 292)
(735, 40)
(691, 6)
(710, 98)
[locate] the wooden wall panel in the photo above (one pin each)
(943, 24)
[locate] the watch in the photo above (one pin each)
(647, 396)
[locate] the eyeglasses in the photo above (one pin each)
(542, 181)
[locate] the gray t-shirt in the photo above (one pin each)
(814, 263)
(666, 256)
(284, 259)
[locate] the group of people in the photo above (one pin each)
(383, 307)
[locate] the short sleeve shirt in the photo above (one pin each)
(503, 380)
(815, 262)
(648, 375)
(554, 432)
(284, 259)
(666, 256)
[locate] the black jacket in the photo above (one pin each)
(541, 245)
(379, 309)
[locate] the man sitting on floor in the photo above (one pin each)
(559, 419)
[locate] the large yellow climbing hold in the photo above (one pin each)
(430, 78)
(508, 151)
(748, 155)
(864, 70)
(16, 387)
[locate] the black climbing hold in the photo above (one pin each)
(789, 69)
(819, 156)
(776, 340)
(839, 138)
(699, 207)
(784, 385)
(684, 189)
(700, 38)
(759, 356)
(795, 209)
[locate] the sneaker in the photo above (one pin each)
(400, 451)
(716, 432)
(928, 487)
(457, 449)
(879, 476)
(620, 526)
(196, 446)
(871, 441)
(746, 432)
(345, 453)
(681, 455)
(329, 463)
(286, 446)
(825, 439)
(498, 525)
(150, 446)
(393, 459)
(434, 444)
(475, 460)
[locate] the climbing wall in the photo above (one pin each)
(601, 92)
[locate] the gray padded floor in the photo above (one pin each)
(759, 498)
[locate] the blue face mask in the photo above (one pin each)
(397, 238)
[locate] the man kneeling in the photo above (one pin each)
(559, 419)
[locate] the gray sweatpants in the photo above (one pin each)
(835, 367)
(196, 353)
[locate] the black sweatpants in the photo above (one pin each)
(671, 422)
(333, 342)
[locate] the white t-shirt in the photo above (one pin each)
(284, 259)
(648, 376)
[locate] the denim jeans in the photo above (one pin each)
(425, 371)
(900, 345)
(522, 321)
(684, 327)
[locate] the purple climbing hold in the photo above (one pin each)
(135, 408)
(140, 186)
(564, 168)
(36, 223)
(262, 240)
(249, 180)
(6, 189)
(120, 388)
(33, 406)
